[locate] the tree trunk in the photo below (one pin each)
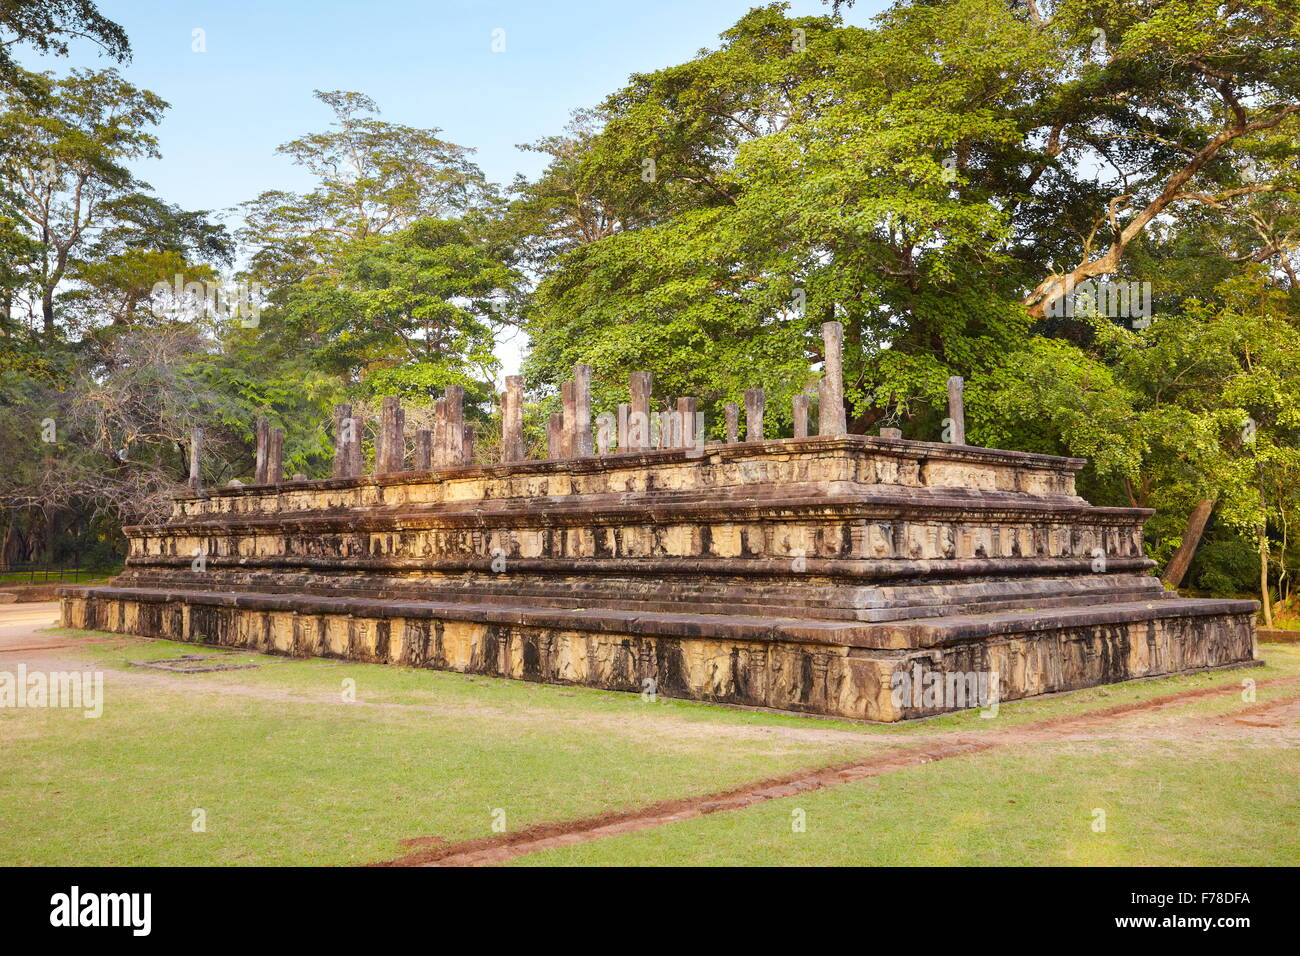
(1263, 578)
(47, 313)
(1182, 559)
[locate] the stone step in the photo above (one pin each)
(763, 628)
(871, 604)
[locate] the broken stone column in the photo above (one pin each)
(423, 449)
(641, 384)
(439, 431)
(347, 443)
(275, 456)
(891, 433)
(753, 414)
(733, 422)
(449, 444)
(467, 445)
(555, 436)
(623, 412)
(956, 411)
(259, 461)
(512, 420)
(390, 457)
(830, 401)
(686, 408)
(196, 452)
(569, 402)
(582, 439)
(799, 405)
(603, 433)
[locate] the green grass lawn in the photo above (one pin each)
(286, 771)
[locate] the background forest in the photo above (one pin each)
(963, 184)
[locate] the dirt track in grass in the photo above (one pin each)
(1280, 714)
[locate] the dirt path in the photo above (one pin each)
(509, 846)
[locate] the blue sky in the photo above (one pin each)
(427, 64)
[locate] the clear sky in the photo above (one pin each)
(427, 64)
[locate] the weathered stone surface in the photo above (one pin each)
(423, 449)
(956, 411)
(804, 574)
(830, 401)
(512, 420)
(259, 456)
(799, 407)
(583, 443)
(390, 455)
(196, 458)
(754, 402)
(449, 439)
(347, 443)
(275, 456)
(641, 385)
(568, 423)
(555, 436)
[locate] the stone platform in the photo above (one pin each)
(817, 575)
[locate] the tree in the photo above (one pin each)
(415, 310)
(1195, 415)
(48, 25)
(373, 177)
(1167, 102)
(803, 171)
(66, 146)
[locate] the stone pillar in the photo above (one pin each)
(799, 404)
(753, 414)
(358, 454)
(733, 422)
(569, 402)
(512, 420)
(956, 410)
(196, 455)
(686, 408)
(891, 433)
(623, 412)
(467, 445)
(641, 384)
(555, 436)
(259, 461)
(449, 449)
(603, 435)
(423, 449)
(830, 402)
(439, 433)
(582, 439)
(347, 434)
(275, 456)
(390, 457)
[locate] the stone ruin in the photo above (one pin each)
(842, 575)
